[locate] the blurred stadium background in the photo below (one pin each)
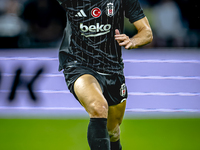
(163, 78)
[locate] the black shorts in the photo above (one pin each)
(113, 86)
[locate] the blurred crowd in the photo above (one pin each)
(40, 23)
(31, 23)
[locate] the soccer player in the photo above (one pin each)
(91, 57)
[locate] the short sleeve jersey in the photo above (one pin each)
(89, 34)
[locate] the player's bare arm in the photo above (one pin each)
(143, 37)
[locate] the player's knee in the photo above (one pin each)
(114, 134)
(98, 110)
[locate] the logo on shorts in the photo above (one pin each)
(96, 12)
(110, 10)
(123, 90)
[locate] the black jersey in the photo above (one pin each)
(89, 34)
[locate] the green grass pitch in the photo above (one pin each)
(70, 134)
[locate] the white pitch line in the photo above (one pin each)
(29, 58)
(40, 91)
(164, 77)
(31, 75)
(40, 108)
(81, 109)
(127, 77)
(125, 60)
(160, 61)
(162, 94)
(129, 93)
(161, 110)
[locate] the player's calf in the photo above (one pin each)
(115, 138)
(114, 134)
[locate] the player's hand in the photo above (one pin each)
(123, 40)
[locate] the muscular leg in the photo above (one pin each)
(115, 116)
(89, 93)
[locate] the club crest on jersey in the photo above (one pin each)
(110, 9)
(123, 90)
(96, 12)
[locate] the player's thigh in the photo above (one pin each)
(89, 93)
(115, 115)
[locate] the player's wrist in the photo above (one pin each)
(133, 46)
